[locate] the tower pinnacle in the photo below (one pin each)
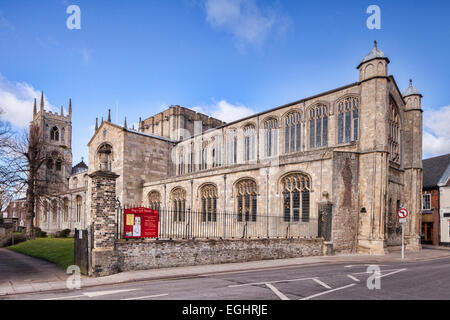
(34, 107)
(42, 101)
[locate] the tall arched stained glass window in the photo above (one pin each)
(318, 126)
(154, 200)
(292, 132)
(178, 196)
(249, 143)
(271, 137)
(348, 120)
(394, 133)
(246, 200)
(209, 202)
(296, 202)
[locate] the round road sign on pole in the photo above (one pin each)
(402, 213)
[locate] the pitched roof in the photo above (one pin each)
(80, 167)
(436, 170)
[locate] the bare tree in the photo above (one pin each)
(26, 158)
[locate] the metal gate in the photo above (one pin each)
(81, 250)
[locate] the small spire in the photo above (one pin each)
(133, 127)
(102, 119)
(375, 44)
(140, 124)
(70, 106)
(34, 107)
(125, 123)
(410, 83)
(96, 124)
(109, 115)
(62, 112)
(82, 159)
(42, 101)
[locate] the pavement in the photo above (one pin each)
(21, 274)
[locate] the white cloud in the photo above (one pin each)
(225, 111)
(244, 19)
(16, 100)
(436, 134)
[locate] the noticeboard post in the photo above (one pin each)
(140, 223)
(402, 214)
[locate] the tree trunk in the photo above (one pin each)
(30, 213)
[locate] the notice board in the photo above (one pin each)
(140, 223)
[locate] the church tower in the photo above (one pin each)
(56, 130)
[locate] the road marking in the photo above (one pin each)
(353, 278)
(61, 298)
(277, 292)
(328, 291)
(145, 297)
(322, 283)
(259, 283)
(361, 265)
(92, 294)
(370, 272)
(388, 274)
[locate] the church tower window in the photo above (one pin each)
(54, 134)
(394, 133)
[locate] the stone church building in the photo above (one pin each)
(354, 152)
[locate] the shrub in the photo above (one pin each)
(63, 233)
(38, 233)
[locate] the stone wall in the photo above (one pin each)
(150, 254)
(345, 196)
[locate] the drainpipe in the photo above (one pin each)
(224, 204)
(267, 200)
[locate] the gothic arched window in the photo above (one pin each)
(79, 202)
(246, 200)
(63, 134)
(348, 120)
(292, 132)
(58, 165)
(66, 210)
(181, 166)
(271, 137)
(104, 155)
(208, 195)
(154, 200)
(178, 197)
(296, 188)
(231, 145)
(394, 133)
(54, 134)
(249, 143)
(318, 126)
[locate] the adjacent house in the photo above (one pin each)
(436, 200)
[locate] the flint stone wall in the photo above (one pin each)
(135, 254)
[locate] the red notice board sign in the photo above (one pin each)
(140, 223)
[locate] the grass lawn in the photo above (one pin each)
(56, 250)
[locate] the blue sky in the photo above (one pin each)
(227, 58)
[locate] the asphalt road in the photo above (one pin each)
(397, 280)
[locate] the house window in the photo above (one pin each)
(348, 120)
(154, 200)
(178, 204)
(209, 202)
(271, 137)
(54, 134)
(246, 200)
(426, 205)
(394, 133)
(296, 197)
(292, 132)
(249, 143)
(318, 126)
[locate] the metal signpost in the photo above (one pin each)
(402, 214)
